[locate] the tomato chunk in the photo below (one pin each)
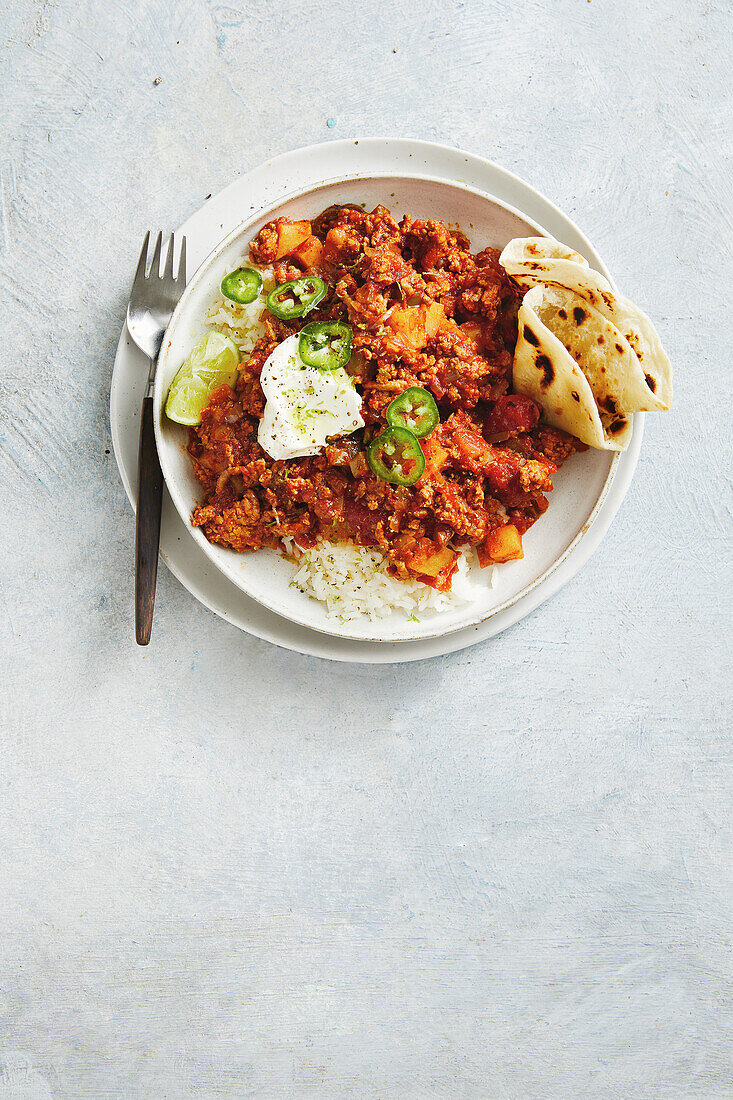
(513, 413)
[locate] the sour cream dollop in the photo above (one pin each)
(305, 406)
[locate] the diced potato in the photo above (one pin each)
(434, 317)
(432, 564)
(405, 323)
(414, 326)
(308, 253)
(504, 544)
(290, 235)
(448, 325)
(436, 455)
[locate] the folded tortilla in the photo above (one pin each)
(578, 367)
(534, 261)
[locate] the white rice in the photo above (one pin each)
(353, 582)
(242, 323)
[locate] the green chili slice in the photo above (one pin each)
(325, 344)
(414, 409)
(242, 285)
(396, 456)
(296, 298)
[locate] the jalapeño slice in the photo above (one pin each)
(415, 409)
(396, 456)
(325, 344)
(242, 285)
(296, 298)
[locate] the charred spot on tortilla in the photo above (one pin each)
(530, 337)
(548, 371)
(582, 328)
(633, 338)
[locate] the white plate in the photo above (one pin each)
(585, 498)
(267, 576)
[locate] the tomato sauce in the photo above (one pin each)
(425, 312)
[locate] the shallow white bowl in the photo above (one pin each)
(580, 486)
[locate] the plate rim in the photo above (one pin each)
(265, 181)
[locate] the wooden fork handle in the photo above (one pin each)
(147, 526)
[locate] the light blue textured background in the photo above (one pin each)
(228, 870)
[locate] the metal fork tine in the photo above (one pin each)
(168, 269)
(153, 299)
(181, 276)
(155, 262)
(140, 272)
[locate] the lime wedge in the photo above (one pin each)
(187, 398)
(212, 362)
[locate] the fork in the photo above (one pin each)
(152, 301)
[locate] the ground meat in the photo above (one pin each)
(424, 311)
(263, 249)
